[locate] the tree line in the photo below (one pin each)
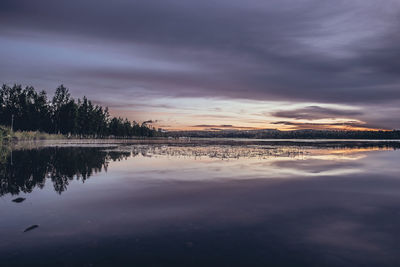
(295, 134)
(25, 109)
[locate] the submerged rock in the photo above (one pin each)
(31, 228)
(18, 200)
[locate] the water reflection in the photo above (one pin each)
(200, 205)
(24, 169)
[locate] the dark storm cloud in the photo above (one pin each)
(315, 113)
(149, 121)
(128, 104)
(268, 48)
(315, 51)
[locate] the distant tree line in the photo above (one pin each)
(295, 134)
(25, 109)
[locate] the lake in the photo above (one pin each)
(200, 203)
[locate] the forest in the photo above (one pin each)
(25, 109)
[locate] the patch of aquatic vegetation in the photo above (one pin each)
(245, 151)
(217, 152)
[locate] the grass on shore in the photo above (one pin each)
(7, 135)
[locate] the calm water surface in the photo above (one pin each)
(200, 204)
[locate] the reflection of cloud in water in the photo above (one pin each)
(338, 222)
(316, 167)
(188, 162)
(343, 233)
(253, 161)
(160, 199)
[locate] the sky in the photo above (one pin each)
(227, 64)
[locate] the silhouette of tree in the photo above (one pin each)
(32, 111)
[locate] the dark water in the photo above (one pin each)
(200, 205)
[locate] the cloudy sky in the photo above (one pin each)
(286, 64)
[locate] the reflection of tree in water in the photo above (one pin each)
(23, 170)
(30, 168)
(4, 151)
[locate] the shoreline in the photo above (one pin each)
(320, 143)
